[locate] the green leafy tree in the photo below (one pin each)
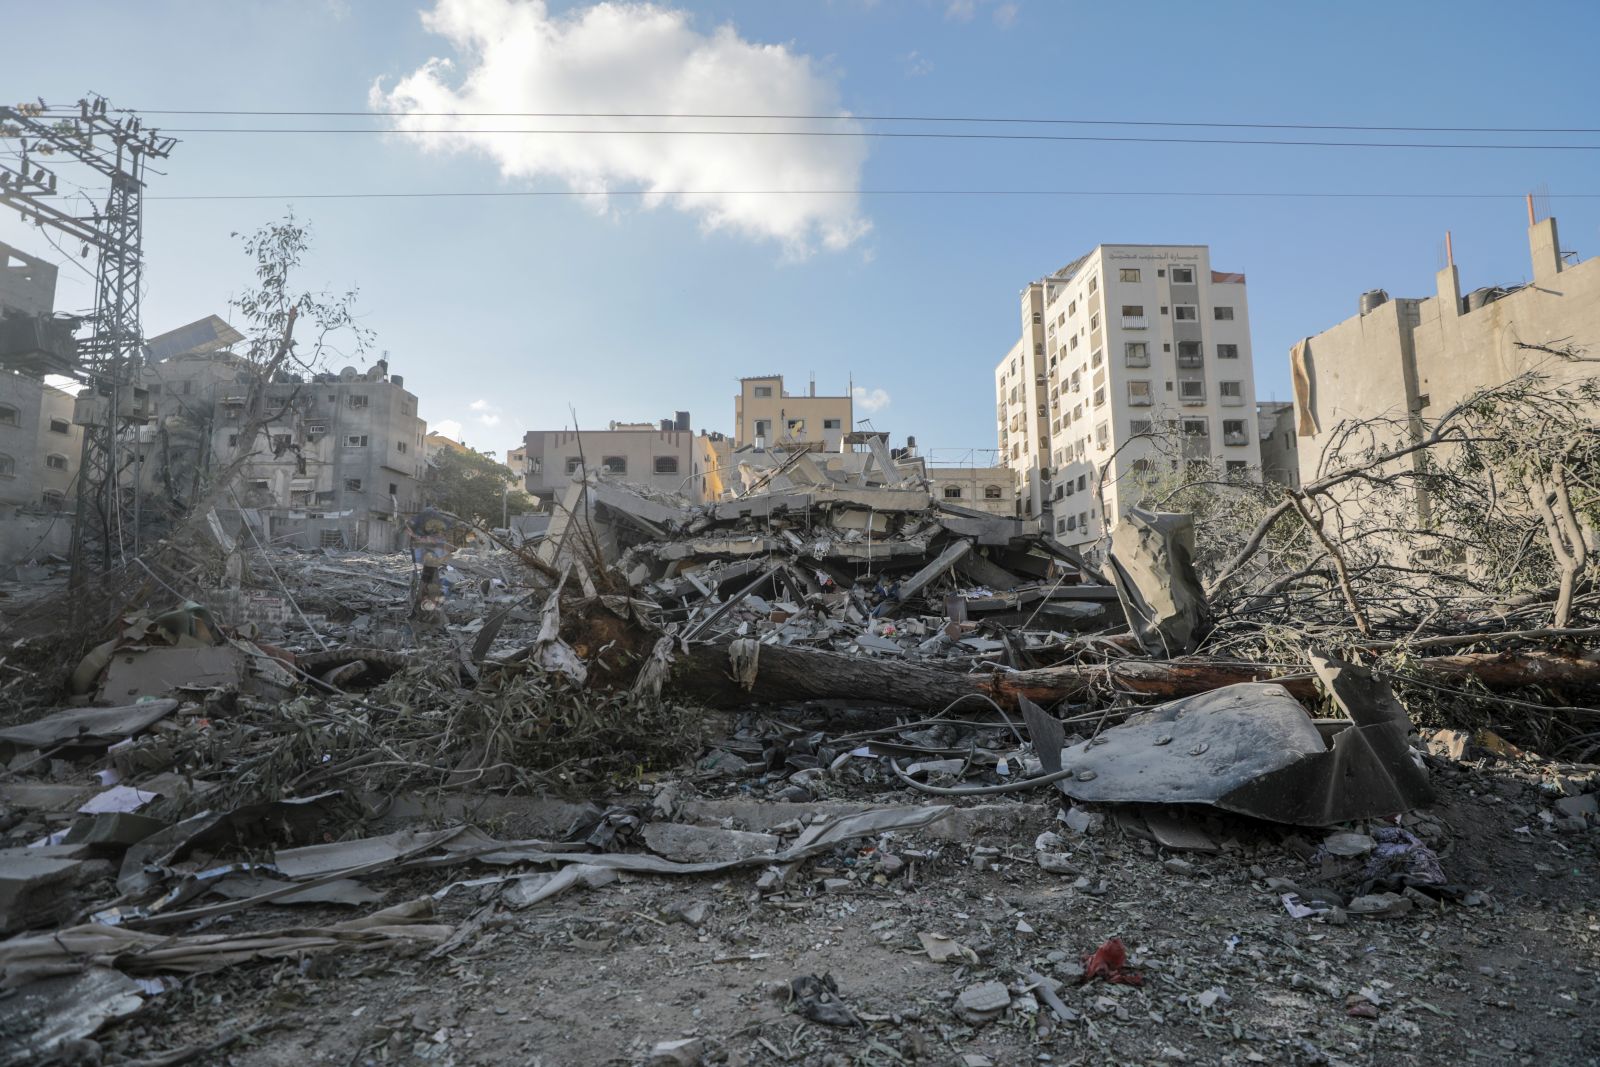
(473, 486)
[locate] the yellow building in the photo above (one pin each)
(764, 414)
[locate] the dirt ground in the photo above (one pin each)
(601, 976)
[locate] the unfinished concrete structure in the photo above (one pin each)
(338, 464)
(1130, 355)
(764, 414)
(1410, 359)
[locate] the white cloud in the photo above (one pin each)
(488, 414)
(447, 427)
(1003, 14)
(917, 64)
(514, 55)
(870, 400)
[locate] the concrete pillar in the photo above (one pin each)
(1545, 248)
(1449, 283)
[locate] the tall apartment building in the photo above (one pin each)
(1124, 345)
(339, 465)
(765, 415)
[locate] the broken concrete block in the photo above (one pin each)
(36, 891)
(685, 1052)
(1578, 807)
(701, 844)
(982, 1003)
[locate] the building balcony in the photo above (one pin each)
(1232, 401)
(1235, 439)
(1135, 322)
(1195, 362)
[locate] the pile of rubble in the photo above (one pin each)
(829, 689)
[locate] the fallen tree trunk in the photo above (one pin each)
(785, 675)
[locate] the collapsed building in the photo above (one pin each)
(341, 456)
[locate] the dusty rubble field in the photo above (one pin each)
(601, 976)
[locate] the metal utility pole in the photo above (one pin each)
(105, 527)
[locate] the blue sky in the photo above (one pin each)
(505, 313)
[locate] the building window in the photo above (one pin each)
(1139, 394)
(1037, 318)
(1100, 396)
(400, 446)
(281, 443)
(1233, 432)
(991, 492)
(352, 485)
(1094, 321)
(332, 539)
(316, 429)
(1227, 351)
(1232, 393)
(1185, 313)
(666, 464)
(408, 407)
(1095, 357)
(952, 492)
(1192, 389)
(1136, 354)
(355, 440)
(1102, 435)
(1182, 275)
(1128, 274)
(762, 391)
(1140, 426)
(56, 461)
(1196, 428)
(573, 463)
(1222, 314)
(763, 428)
(260, 483)
(1094, 283)
(1189, 354)
(233, 440)
(9, 416)
(358, 400)
(60, 426)
(8, 466)
(797, 425)
(1072, 342)
(1083, 483)
(53, 500)
(394, 489)
(614, 464)
(832, 424)
(1237, 468)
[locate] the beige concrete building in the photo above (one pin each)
(713, 468)
(340, 465)
(991, 489)
(40, 446)
(1128, 356)
(659, 455)
(765, 415)
(1280, 446)
(1414, 358)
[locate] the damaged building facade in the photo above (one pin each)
(340, 460)
(1129, 356)
(1412, 358)
(659, 455)
(40, 445)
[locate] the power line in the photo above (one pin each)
(974, 119)
(501, 194)
(918, 135)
